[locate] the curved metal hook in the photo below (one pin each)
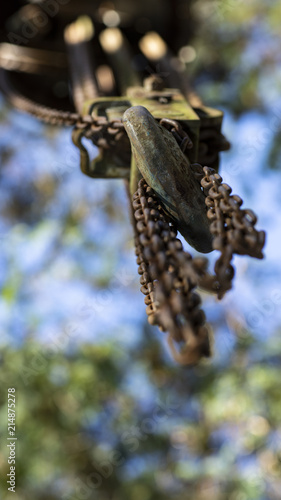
(167, 170)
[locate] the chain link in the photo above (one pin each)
(233, 228)
(55, 116)
(169, 275)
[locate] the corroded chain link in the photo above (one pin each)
(107, 135)
(169, 275)
(233, 228)
(104, 133)
(43, 113)
(92, 125)
(179, 134)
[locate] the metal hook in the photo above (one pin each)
(167, 170)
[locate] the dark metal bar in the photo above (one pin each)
(77, 37)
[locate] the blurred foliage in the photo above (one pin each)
(238, 56)
(86, 430)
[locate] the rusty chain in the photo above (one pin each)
(179, 134)
(233, 228)
(169, 275)
(168, 278)
(55, 116)
(43, 113)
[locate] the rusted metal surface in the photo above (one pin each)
(154, 137)
(168, 278)
(233, 228)
(169, 275)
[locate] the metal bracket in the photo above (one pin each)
(202, 124)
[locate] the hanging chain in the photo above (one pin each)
(169, 275)
(233, 228)
(168, 278)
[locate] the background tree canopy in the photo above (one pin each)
(102, 410)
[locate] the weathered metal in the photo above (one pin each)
(169, 277)
(153, 137)
(167, 171)
(165, 104)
